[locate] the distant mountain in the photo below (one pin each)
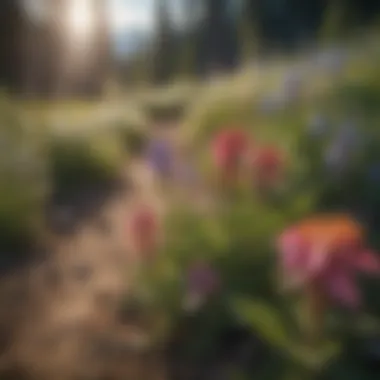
(131, 41)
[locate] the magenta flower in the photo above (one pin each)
(325, 253)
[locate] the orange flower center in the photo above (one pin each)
(335, 232)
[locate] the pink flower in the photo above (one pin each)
(325, 253)
(144, 231)
(228, 151)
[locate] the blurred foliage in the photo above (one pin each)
(79, 162)
(133, 134)
(24, 179)
(168, 104)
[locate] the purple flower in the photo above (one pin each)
(202, 282)
(160, 156)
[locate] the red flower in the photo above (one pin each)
(228, 150)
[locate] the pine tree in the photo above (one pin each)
(189, 48)
(248, 30)
(335, 20)
(163, 48)
(12, 19)
(102, 49)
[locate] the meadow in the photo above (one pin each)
(250, 230)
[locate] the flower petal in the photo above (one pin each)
(291, 247)
(367, 261)
(341, 286)
(294, 259)
(319, 254)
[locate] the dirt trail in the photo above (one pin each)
(70, 326)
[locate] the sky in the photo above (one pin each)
(124, 14)
(134, 20)
(131, 14)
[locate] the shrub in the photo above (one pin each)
(168, 105)
(82, 162)
(164, 111)
(133, 135)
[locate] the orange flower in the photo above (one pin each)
(325, 252)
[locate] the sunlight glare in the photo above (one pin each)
(81, 20)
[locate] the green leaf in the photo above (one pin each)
(264, 320)
(303, 204)
(314, 357)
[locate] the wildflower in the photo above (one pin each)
(160, 156)
(143, 231)
(324, 253)
(317, 126)
(267, 164)
(201, 283)
(228, 150)
(337, 157)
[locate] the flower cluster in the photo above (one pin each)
(235, 154)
